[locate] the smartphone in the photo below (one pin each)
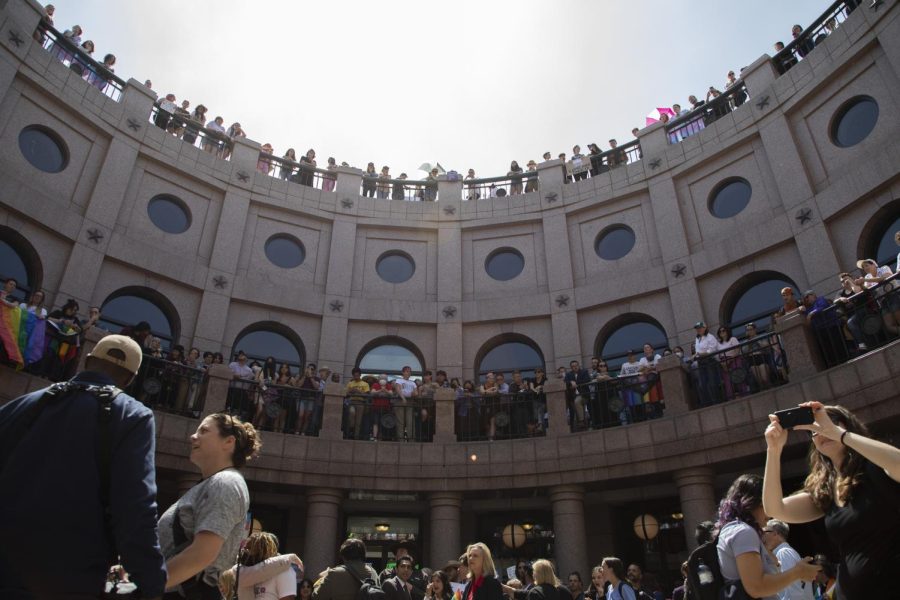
(791, 417)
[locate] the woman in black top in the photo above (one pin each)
(439, 587)
(482, 585)
(854, 482)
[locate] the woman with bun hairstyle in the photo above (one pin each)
(201, 533)
(854, 483)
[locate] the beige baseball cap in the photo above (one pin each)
(119, 350)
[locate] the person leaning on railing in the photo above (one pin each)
(854, 483)
(873, 275)
(356, 390)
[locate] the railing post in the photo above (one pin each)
(444, 413)
(673, 375)
(244, 157)
(332, 412)
(759, 75)
(137, 104)
(800, 347)
(349, 182)
(449, 191)
(555, 390)
(653, 140)
(216, 389)
(551, 175)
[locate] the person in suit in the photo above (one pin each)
(483, 583)
(399, 586)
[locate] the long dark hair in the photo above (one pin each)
(824, 477)
(742, 498)
(270, 368)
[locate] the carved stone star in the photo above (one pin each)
(654, 164)
(679, 270)
(220, 282)
(15, 39)
(95, 235)
(562, 300)
(876, 4)
(551, 197)
(449, 210)
(336, 306)
(804, 215)
(449, 312)
(347, 203)
(133, 124)
(762, 102)
(243, 176)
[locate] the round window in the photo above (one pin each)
(43, 149)
(614, 242)
(854, 121)
(285, 251)
(169, 214)
(395, 267)
(504, 264)
(730, 197)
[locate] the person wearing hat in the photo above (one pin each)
(57, 446)
(531, 184)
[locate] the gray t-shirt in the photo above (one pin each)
(219, 505)
(738, 538)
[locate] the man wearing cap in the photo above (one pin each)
(531, 184)
(54, 542)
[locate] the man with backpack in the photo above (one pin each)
(77, 469)
(352, 580)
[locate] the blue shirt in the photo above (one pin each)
(52, 541)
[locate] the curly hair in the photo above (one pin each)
(259, 547)
(246, 439)
(824, 477)
(741, 499)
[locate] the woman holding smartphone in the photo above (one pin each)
(854, 483)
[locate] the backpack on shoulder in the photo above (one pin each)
(705, 580)
(368, 589)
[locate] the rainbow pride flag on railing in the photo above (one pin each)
(22, 334)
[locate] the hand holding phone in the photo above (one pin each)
(791, 417)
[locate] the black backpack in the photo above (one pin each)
(368, 589)
(720, 588)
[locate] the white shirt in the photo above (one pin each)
(647, 363)
(407, 386)
(706, 345)
(42, 314)
(279, 586)
(242, 371)
(880, 272)
(215, 126)
(788, 557)
(629, 368)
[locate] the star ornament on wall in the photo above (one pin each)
(562, 300)
(762, 102)
(133, 124)
(449, 210)
(679, 270)
(347, 203)
(336, 306)
(804, 215)
(243, 176)
(220, 282)
(95, 235)
(449, 312)
(655, 163)
(15, 39)
(551, 197)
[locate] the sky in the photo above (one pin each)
(468, 84)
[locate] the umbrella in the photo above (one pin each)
(657, 113)
(427, 167)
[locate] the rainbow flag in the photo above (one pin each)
(22, 334)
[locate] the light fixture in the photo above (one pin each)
(646, 527)
(678, 516)
(382, 526)
(513, 536)
(473, 458)
(527, 525)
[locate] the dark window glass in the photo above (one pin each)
(614, 242)
(124, 311)
(757, 305)
(730, 198)
(12, 265)
(510, 356)
(395, 267)
(169, 214)
(504, 264)
(43, 149)
(285, 251)
(854, 121)
(629, 337)
(887, 247)
(262, 343)
(390, 359)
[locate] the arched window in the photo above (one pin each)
(389, 355)
(629, 333)
(129, 306)
(877, 238)
(506, 353)
(754, 298)
(261, 340)
(19, 260)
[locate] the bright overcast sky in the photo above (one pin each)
(466, 83)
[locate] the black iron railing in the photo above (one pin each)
(169, 386)
(756, 364)
(500, 416)
(615, 157)
(817, 31)
(296, 172)
(612, 401)
(192, 132)
(857, 324)
(500, 187)
(283, 408)
(74, 57)
(708, 113)
(388, 418)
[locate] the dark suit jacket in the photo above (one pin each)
(545, 591)
(395, 589)
(490, 590)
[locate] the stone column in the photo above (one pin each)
(332, 412)
(676, 388)
(349, 182)
(568, 525)
(654, 141)
(450, 191)
(445, 527)
(333, 336)
(555, 391)
(449, 284)
(216, 389)
(321, 539)
(800, 345)
(444, 414)
(698, 499)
